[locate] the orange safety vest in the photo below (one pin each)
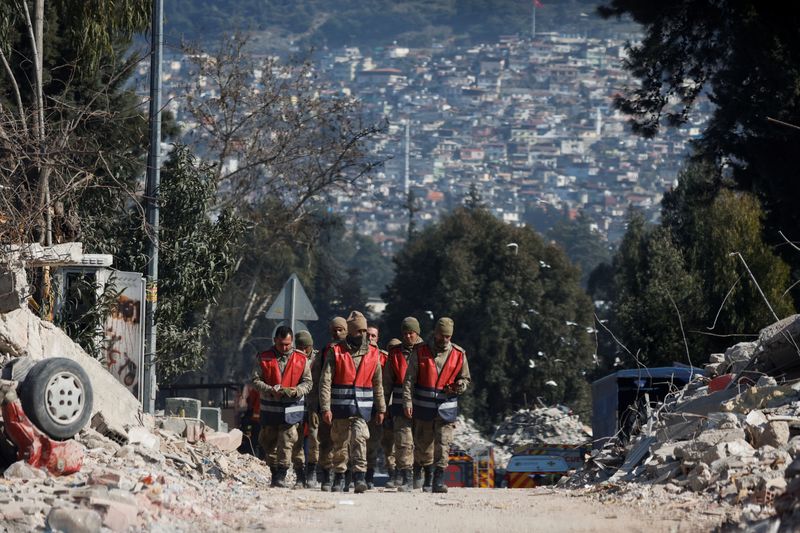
(429, 396)
(399, 366)
(276, 411)
(351, 390)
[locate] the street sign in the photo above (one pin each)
(292, 304)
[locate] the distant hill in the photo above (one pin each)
(369, 22)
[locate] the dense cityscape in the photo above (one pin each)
(529, 125)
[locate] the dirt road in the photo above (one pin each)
(471, 510)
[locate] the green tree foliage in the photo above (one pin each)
(519, 311)
(694, 264)
(585, 247)
(653, 293)
(733, 225)
(743, 55)
(198, 251)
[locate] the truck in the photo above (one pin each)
(471, 470)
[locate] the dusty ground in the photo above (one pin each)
(467, 510)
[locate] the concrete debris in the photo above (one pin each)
(736, 444)
(546, 425)
(158, 481)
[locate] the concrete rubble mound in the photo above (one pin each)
(545, 425)
(731, 436)
(521, 430)
(158, 481)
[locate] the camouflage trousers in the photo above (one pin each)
(349, 436)
(325, 446)
(403, 442)
(277, 443)
(432, 440)
(306, 450)
(380, 436)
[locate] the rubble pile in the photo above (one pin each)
(545, 425)
(158, 479)
(469, 438)
(731, 436)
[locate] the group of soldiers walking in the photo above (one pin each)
(355, 398)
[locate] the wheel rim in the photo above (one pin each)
(65, 398)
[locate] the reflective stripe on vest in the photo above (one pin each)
(351, 390)
(399, 365)
(276, 411)
(429, 396)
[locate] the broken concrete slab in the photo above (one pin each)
(74, 520)
(226, 442)
(183, 407)
(212, 416)
(775, 434)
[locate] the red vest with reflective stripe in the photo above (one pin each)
(275, 411)
(351, 390)
(429, 396)
(399, 366)
(292, 373)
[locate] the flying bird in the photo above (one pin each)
(523, 325)
(514, 247)
(531, 363)
(551, 383)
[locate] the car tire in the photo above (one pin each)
(57, 397)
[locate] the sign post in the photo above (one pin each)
(292, 304)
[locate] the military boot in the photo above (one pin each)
(438, 480)
(406, 484)
(273, 476)
(417, 477)
(427, 485)
(359, 482)
(300, 477)
(390, 483)
(338, 482)
(280, 477)
(369, 477)
(326, 481)
(311, 476)
(348, 480)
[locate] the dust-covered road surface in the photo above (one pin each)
(479, 510)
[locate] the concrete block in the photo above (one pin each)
(182, 407)
(212, 416)
(227, 442)
(117, 516)
(174, 424)
(14, 288)
(775, 434)
(74, 520)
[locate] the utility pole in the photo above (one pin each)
(153, 183)
(407, 170)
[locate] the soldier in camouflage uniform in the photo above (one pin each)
(380, 435)
(282, 376)
(393, 378)
(338, 331)
(436, 376)
(350, 385)
(305, 464)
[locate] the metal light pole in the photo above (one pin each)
(153, 182)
